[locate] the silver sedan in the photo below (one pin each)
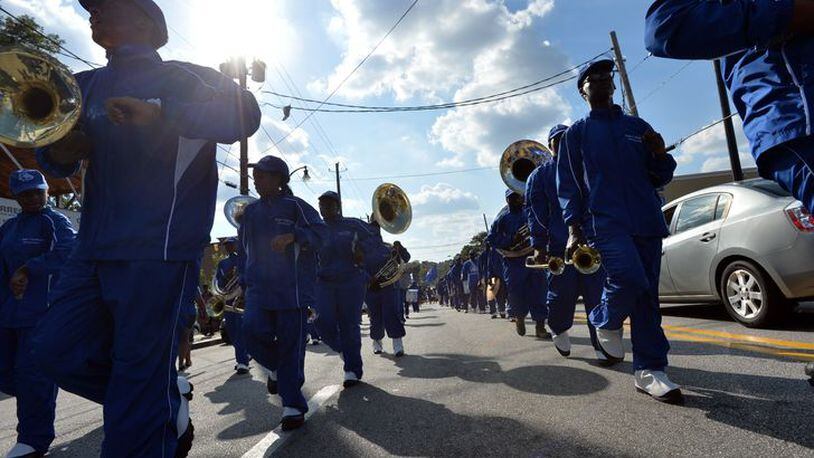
(749, 245)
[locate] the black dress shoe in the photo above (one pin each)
(503, 315)
(185, 441)
(292, 422)
(540, 331)
(520, 324)
(271, 385)
(350, 383)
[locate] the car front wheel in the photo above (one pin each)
(750, 296)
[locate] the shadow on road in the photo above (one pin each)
(241, 393)
(404, 426)
(88, 445)
(545, 380)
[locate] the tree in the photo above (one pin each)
(28, 32)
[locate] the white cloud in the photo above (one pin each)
(442, 198)
(717, 163)
(712, 142)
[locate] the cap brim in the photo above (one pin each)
(24, 188)
(88, 4)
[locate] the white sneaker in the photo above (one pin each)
(610, 341)
(185, 389)
(307, 339)
(658, 386)
(601, 357)
(377, 347)
(398, 347)
(20, 449)
(562, 342)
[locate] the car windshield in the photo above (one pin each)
(769, 187)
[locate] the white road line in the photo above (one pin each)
(276, 438)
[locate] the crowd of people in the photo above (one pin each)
(104, 313)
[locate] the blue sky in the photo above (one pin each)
(444, 50)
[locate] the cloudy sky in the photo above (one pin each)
(444, 50)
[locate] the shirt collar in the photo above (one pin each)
(604, 113)
(128, 54)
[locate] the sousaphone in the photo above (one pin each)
(393, 212)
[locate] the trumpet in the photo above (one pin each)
(586, 260)
(555, 265)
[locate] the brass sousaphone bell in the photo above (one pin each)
(40, 101)
(516, 164)
(393, 212)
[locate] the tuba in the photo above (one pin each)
(40, 101)
(516, 164)
(393, 212)
(234, 208)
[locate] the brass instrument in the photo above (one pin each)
(40, 101)
(555, 265)
(522, 246)
(519, 160)
(393, 212)
(234, 207)
(586, 260)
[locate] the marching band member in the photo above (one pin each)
(609, 168)
(33, 248)
(341, 284)
(149, 129)
(470, 278)
(278, 235)
(234, 321)
(382, 302)
(494, 276)
(526, 287)
(454, 280)
(766, 49)
(548, 237)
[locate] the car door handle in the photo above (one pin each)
(708, 237)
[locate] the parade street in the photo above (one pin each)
(469, 386)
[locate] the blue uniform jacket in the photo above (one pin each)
(336, 254)
(455, 274)
(42, 241)
(495, 264)
(470, 273)
(606, 178)
(548, 229)
(768, 73)
(279, 281)
(501, 236)
(380, 252)
(151, 191)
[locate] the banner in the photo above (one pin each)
(9, 209)
(432, 275)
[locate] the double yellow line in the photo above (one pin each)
(797, 350)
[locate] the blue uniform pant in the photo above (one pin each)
(311, 330)
(382, 306)
(526, 291)
(111, 336)
(36, 395)
(276, 341)
(791, 165)
(563, 291)
(633, 266)
(339, 305)
(234, 326)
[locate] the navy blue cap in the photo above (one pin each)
(556, 131)
(232, 239)
(151, 9)
(24, 180)
(510, 192)
(603, 65)
(273, 164)
(329, 195)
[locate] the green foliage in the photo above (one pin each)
(476, 245)
(23, 32)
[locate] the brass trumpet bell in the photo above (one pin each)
(234, 208)
(519, 160)
(555, 265)
(40, 101)
(586, 260)
(391, 208)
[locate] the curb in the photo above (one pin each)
(207, 343)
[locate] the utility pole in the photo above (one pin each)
(338, 187)
(729, 126)
(620, 67)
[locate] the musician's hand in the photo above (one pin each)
(70, 149)
(654, 143)
(540, 256)
(281, 242)
(575, 239)
(19, 282)
(127, 110)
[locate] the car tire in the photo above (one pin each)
(750, 296)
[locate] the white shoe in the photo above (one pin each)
(20, 449)
(307, 339)
(562, 342)
(185, 389)
(377, 347)
(350, 379)
(610, 341)
(291, 412)
(398, 347)
(658, 386)
(601, 357)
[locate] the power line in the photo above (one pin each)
(664, 82)
(407, 11)
(417, 175)
(707, 127)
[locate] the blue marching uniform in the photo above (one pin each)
(383, 303)
(494, 269)
(526, 287)
(767, 72)
(278, 288)
(549, 233)
(607, 181)
(121, 292)
(42, 242)
(341, 289)
(234, 321)
(470, 275)
(455, 285)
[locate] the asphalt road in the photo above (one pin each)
(470, 387)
